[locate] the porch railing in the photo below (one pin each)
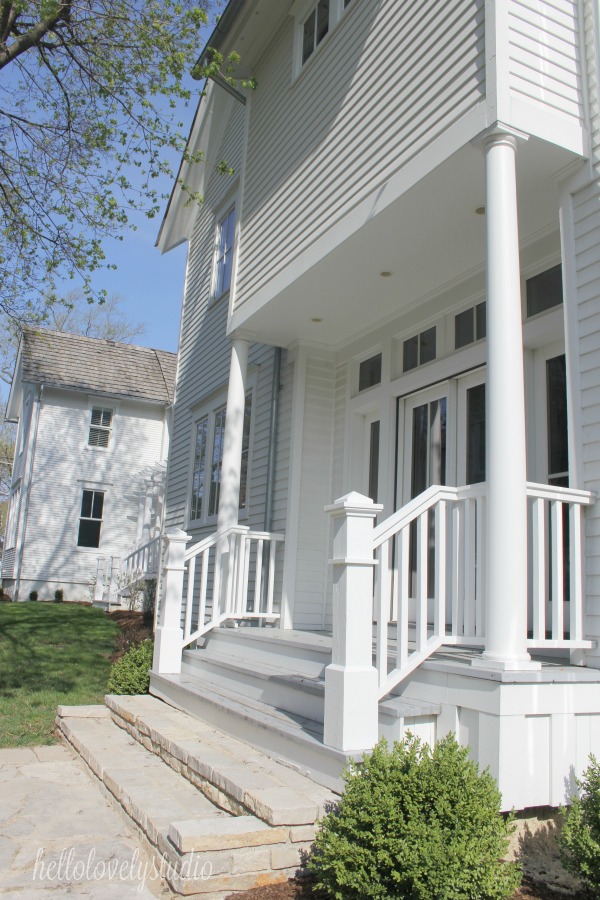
(430, 577)
(142, 562)
(231, 575)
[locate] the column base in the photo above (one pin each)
(498, 663)
(351, 707)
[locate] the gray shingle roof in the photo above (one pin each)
(98, 366)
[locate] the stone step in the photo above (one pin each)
(204, 847)
(284, 736)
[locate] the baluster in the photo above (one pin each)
(404, 594)
(245, 547)
(189, 600)
(557, 570)
(469, 577)
(271, 583)
(480, 551)
(232, 542)
(217, 602)
(422, 560)
(456, 568)
(539, 569)
(576, 571)
(439, 609)
(382, 604)
(203, 586)
(258, 578)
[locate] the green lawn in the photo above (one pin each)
(50, 653)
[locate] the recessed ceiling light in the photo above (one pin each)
(385, 274)
(316, 321)
(480, 211)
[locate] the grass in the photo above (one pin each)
(50, 654)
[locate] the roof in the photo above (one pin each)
(97, 366)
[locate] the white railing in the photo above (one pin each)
(556, 596)
(430, 577)
(233, 575)
(142, 562)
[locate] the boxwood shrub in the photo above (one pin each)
(131, 673)
(580, 835)
(415, 824)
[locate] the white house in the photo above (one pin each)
(386, 437)
(93, 430)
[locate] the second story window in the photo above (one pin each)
(100, 426)
(224, 253)
(315, 28)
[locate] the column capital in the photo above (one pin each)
(499, 133)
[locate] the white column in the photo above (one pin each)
(169, 633)
(231, 465)
(506, 563)
(351, 695)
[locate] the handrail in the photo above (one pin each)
(562, 494)
(213, 539)
(421, 504)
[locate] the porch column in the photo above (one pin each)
(231, 464)
(147, 523)
(506, 540)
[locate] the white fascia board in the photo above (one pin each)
(15, 396)
(179, 218)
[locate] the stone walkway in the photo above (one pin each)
(59, 836)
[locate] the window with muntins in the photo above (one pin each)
(90, 520)
(100, 426)
(418, 350)
(208, 459)
(315, 28)
(224, 253)
(470, 326)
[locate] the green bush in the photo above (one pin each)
(580, 837)
(33, 595)
(59, 595)
(131, 673)
(418, 824)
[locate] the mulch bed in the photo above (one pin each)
(133, 628)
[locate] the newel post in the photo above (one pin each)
(169, 634)
(351, 696)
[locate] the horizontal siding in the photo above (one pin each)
(586, 217)
(315, 492)
(63, 466)
(591, 26)
(347, 123)
(545, 59)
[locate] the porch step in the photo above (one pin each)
(301, 652)
(220, 814)
(282, 735)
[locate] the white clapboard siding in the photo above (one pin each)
(283, 449)
(315, 493)
(390, 79)
(63, 465)
(545, 57)
(205, 351)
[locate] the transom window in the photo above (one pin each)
(90, 520)
(208, 459)
(100, 426)
(544, 291)
(470, 326)
(224, 253)
(369, 372)
(418, 350)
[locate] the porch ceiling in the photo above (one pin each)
(430, 239)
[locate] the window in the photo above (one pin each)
(469, 326)
(369, 372)
(544, 291)
(10, 537)
(224, 253)
(90, 520)
(100, 424)
(208, 458)
(419, 350)
(315, 28)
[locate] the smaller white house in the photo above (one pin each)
(92, 437)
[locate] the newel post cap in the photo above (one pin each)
(354, 503)
(177, 534)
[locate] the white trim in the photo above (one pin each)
(294, 484)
